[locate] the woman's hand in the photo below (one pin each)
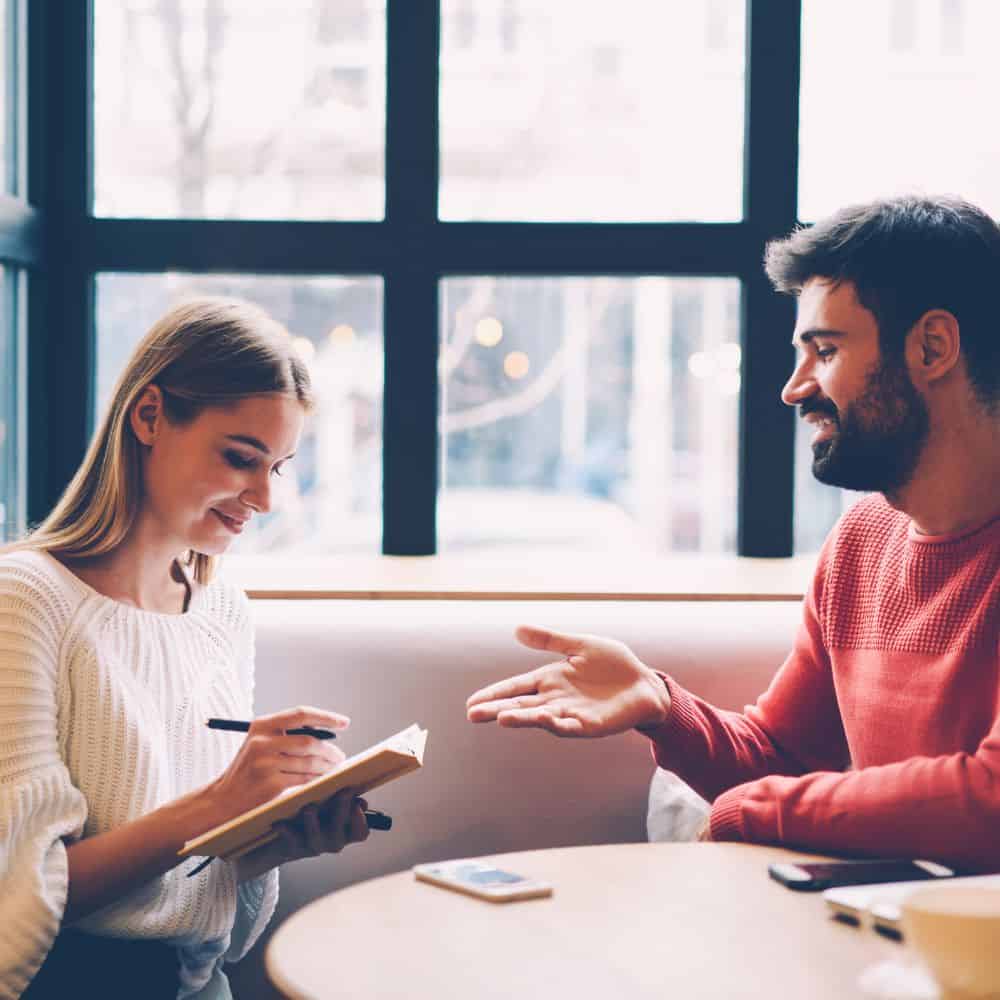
(600, 687)
(269, 761)
(317, 829)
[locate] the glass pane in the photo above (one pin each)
(590, 414)
(817, 506)
(232, 110)
(565, 111)
(331, 493)
(909, 109)
(13, 451)
(8, 95)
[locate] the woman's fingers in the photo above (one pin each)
(301, 715)
(313, 830)
(306, 767)
(339, 823)
(309, 746)
(358, 827)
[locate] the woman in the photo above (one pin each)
(117, 642)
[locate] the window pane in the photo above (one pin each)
(226, 109)
(13, 450)
(817, 506)
(562, 111)
(8, 95)
(331, 493)
(590, 413)
(911, 108)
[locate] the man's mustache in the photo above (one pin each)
(821, 406)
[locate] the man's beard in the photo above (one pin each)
(879, 437)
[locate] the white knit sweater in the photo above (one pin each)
(102, 720)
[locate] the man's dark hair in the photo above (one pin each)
(905, 256)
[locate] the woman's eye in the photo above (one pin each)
(238, 461)
(276, 471)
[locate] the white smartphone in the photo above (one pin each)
(482, 880)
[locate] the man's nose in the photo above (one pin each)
(800, 385)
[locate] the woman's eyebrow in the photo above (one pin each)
(252, 441)
(255, 443)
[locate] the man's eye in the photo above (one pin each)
(826, 352)
(238, 461)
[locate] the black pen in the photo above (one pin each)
(239, 726)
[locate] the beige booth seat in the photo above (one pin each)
(482, 790)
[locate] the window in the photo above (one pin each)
(597, 115)
(18, 251)
(13, 386)
(592, 414)
(331, 492)
(8, 99)
(542, 222)
(918, 69)
(230, 110)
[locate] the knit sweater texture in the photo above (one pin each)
(102, 720)
(880, 734)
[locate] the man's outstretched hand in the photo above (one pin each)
(598, 688)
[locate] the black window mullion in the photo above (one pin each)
(61, 335)
(767, 426)
(410, 415)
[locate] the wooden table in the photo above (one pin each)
(664, 921)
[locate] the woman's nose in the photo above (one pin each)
(258, 499)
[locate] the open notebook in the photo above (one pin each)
(379, 764)
(879, 906)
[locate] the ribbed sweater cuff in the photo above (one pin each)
(726, 818)
(682, 721)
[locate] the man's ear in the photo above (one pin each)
(146, 414)
(933, 346)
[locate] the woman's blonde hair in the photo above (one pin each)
(205, 352)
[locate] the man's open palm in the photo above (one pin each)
(600, 687)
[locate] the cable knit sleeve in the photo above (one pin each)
(38, 803)
(256, 898)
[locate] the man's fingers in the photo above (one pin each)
(542, 718)
(522, 684)
(488, 711)
(553, 642)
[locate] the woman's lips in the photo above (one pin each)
(230, 523)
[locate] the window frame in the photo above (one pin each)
(21, 238)
(413, 251)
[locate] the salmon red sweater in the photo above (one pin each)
(880, 734)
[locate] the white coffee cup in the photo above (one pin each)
(956, 931)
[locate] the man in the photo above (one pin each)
(880, 734)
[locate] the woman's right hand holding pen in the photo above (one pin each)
(271, 761)
(105, 867)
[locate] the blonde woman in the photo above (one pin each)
(117, 642)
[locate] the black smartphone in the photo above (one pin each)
(813, 876)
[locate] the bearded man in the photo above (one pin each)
(880, 733)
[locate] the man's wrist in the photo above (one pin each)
(660, 685)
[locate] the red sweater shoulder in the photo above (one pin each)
(885, 587)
